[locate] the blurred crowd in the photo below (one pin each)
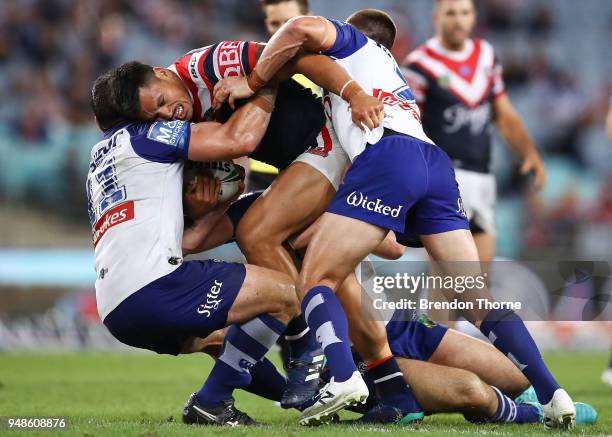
(556, 71)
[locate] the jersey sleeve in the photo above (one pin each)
(162, 141)
(229, 58)
(348, 41)
(499, 87)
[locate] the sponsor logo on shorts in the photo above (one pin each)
(113, 217)
(212, 300)
(357, 198)
(461, 209)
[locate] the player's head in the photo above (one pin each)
(454, 21)
(278, 12)
(375, 24)
(143, 92)
(102, 104)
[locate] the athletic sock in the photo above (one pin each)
(510, 412)
(300, 338)
(266, 381)
(508, 333)
(325, 316)
(391, 389)
(243, 347)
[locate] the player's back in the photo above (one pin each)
(134, 189)
(372, 66)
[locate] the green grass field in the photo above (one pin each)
(142, 395)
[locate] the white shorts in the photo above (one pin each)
(479, 193)
(329, 158)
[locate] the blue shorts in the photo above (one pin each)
(415, 339)
(405, 185)
(192, 301)
(238, 209)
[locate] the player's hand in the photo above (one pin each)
(532, 163)
(367, 110)
(231, 89)
(202, 195)
(225, 205)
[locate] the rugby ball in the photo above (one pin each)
(226, 171)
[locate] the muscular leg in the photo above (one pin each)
(333, 253)
(503, 327)
(264, 291)
(329, 259)
(297, 198)
(443, 389)
(366, 328)
(265, 303)
(485, 361)
(485, 244)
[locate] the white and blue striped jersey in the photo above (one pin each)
(134, 192)
(373, 67)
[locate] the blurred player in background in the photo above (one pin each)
(457, 82)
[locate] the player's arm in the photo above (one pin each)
(209, 225)
(514, 132)
(238, 136)
(306, 35)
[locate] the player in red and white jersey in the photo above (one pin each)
(458, 83)
(201, 69)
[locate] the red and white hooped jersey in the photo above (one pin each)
(202, 68)
(455, 91)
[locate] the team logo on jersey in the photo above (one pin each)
(444, 82)
(357, 198)
(212, 300)
(459, 116)
(391, 99)
(119, 214)
(167, 132)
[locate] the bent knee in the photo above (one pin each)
(473, 392)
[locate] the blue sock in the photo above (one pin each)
(508, 333)
(243, 347)
(325, 316)
(390, 386)
(300, 338)
(510, 412)
(267, 381)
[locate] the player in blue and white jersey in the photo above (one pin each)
(148, 296)
(399, 181)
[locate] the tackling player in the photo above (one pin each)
(399, 180)
(297, 198)
(147, 296)
(481, 385)
(457, 82)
